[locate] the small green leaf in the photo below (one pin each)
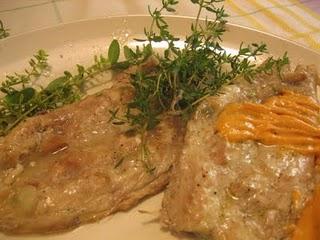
(170, 9)
(147, 51)
(20, 97)
(114, 51)
(28, 94)
(13, 98)
(67, 74)
(210, 9)
(128, 53)
(57, 83)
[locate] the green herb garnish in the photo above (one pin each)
(4, 32)
(185, 76)
(21, 100)
(114, 52)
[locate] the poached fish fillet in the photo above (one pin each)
(72, 165)
(241, 190)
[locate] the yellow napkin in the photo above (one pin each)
(290, 19)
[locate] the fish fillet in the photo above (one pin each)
(240, 191)
(71, 166)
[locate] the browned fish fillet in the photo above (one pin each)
(240, 190)
(72, 166)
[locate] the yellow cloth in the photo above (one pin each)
(290, 19)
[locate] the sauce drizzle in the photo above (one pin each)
(290, 120)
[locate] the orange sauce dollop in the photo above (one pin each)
(290, 120)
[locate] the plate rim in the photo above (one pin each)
(171, 17)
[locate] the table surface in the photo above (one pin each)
(297, 20)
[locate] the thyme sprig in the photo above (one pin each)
(185, 76)
(4, 32)
(21, 100)
(37, 65)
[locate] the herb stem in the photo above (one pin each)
(24, 115)
(144, 154)
(198, 15)
(200, 100)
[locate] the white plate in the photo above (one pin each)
(77, 42)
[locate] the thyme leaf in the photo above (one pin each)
(114, 51)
